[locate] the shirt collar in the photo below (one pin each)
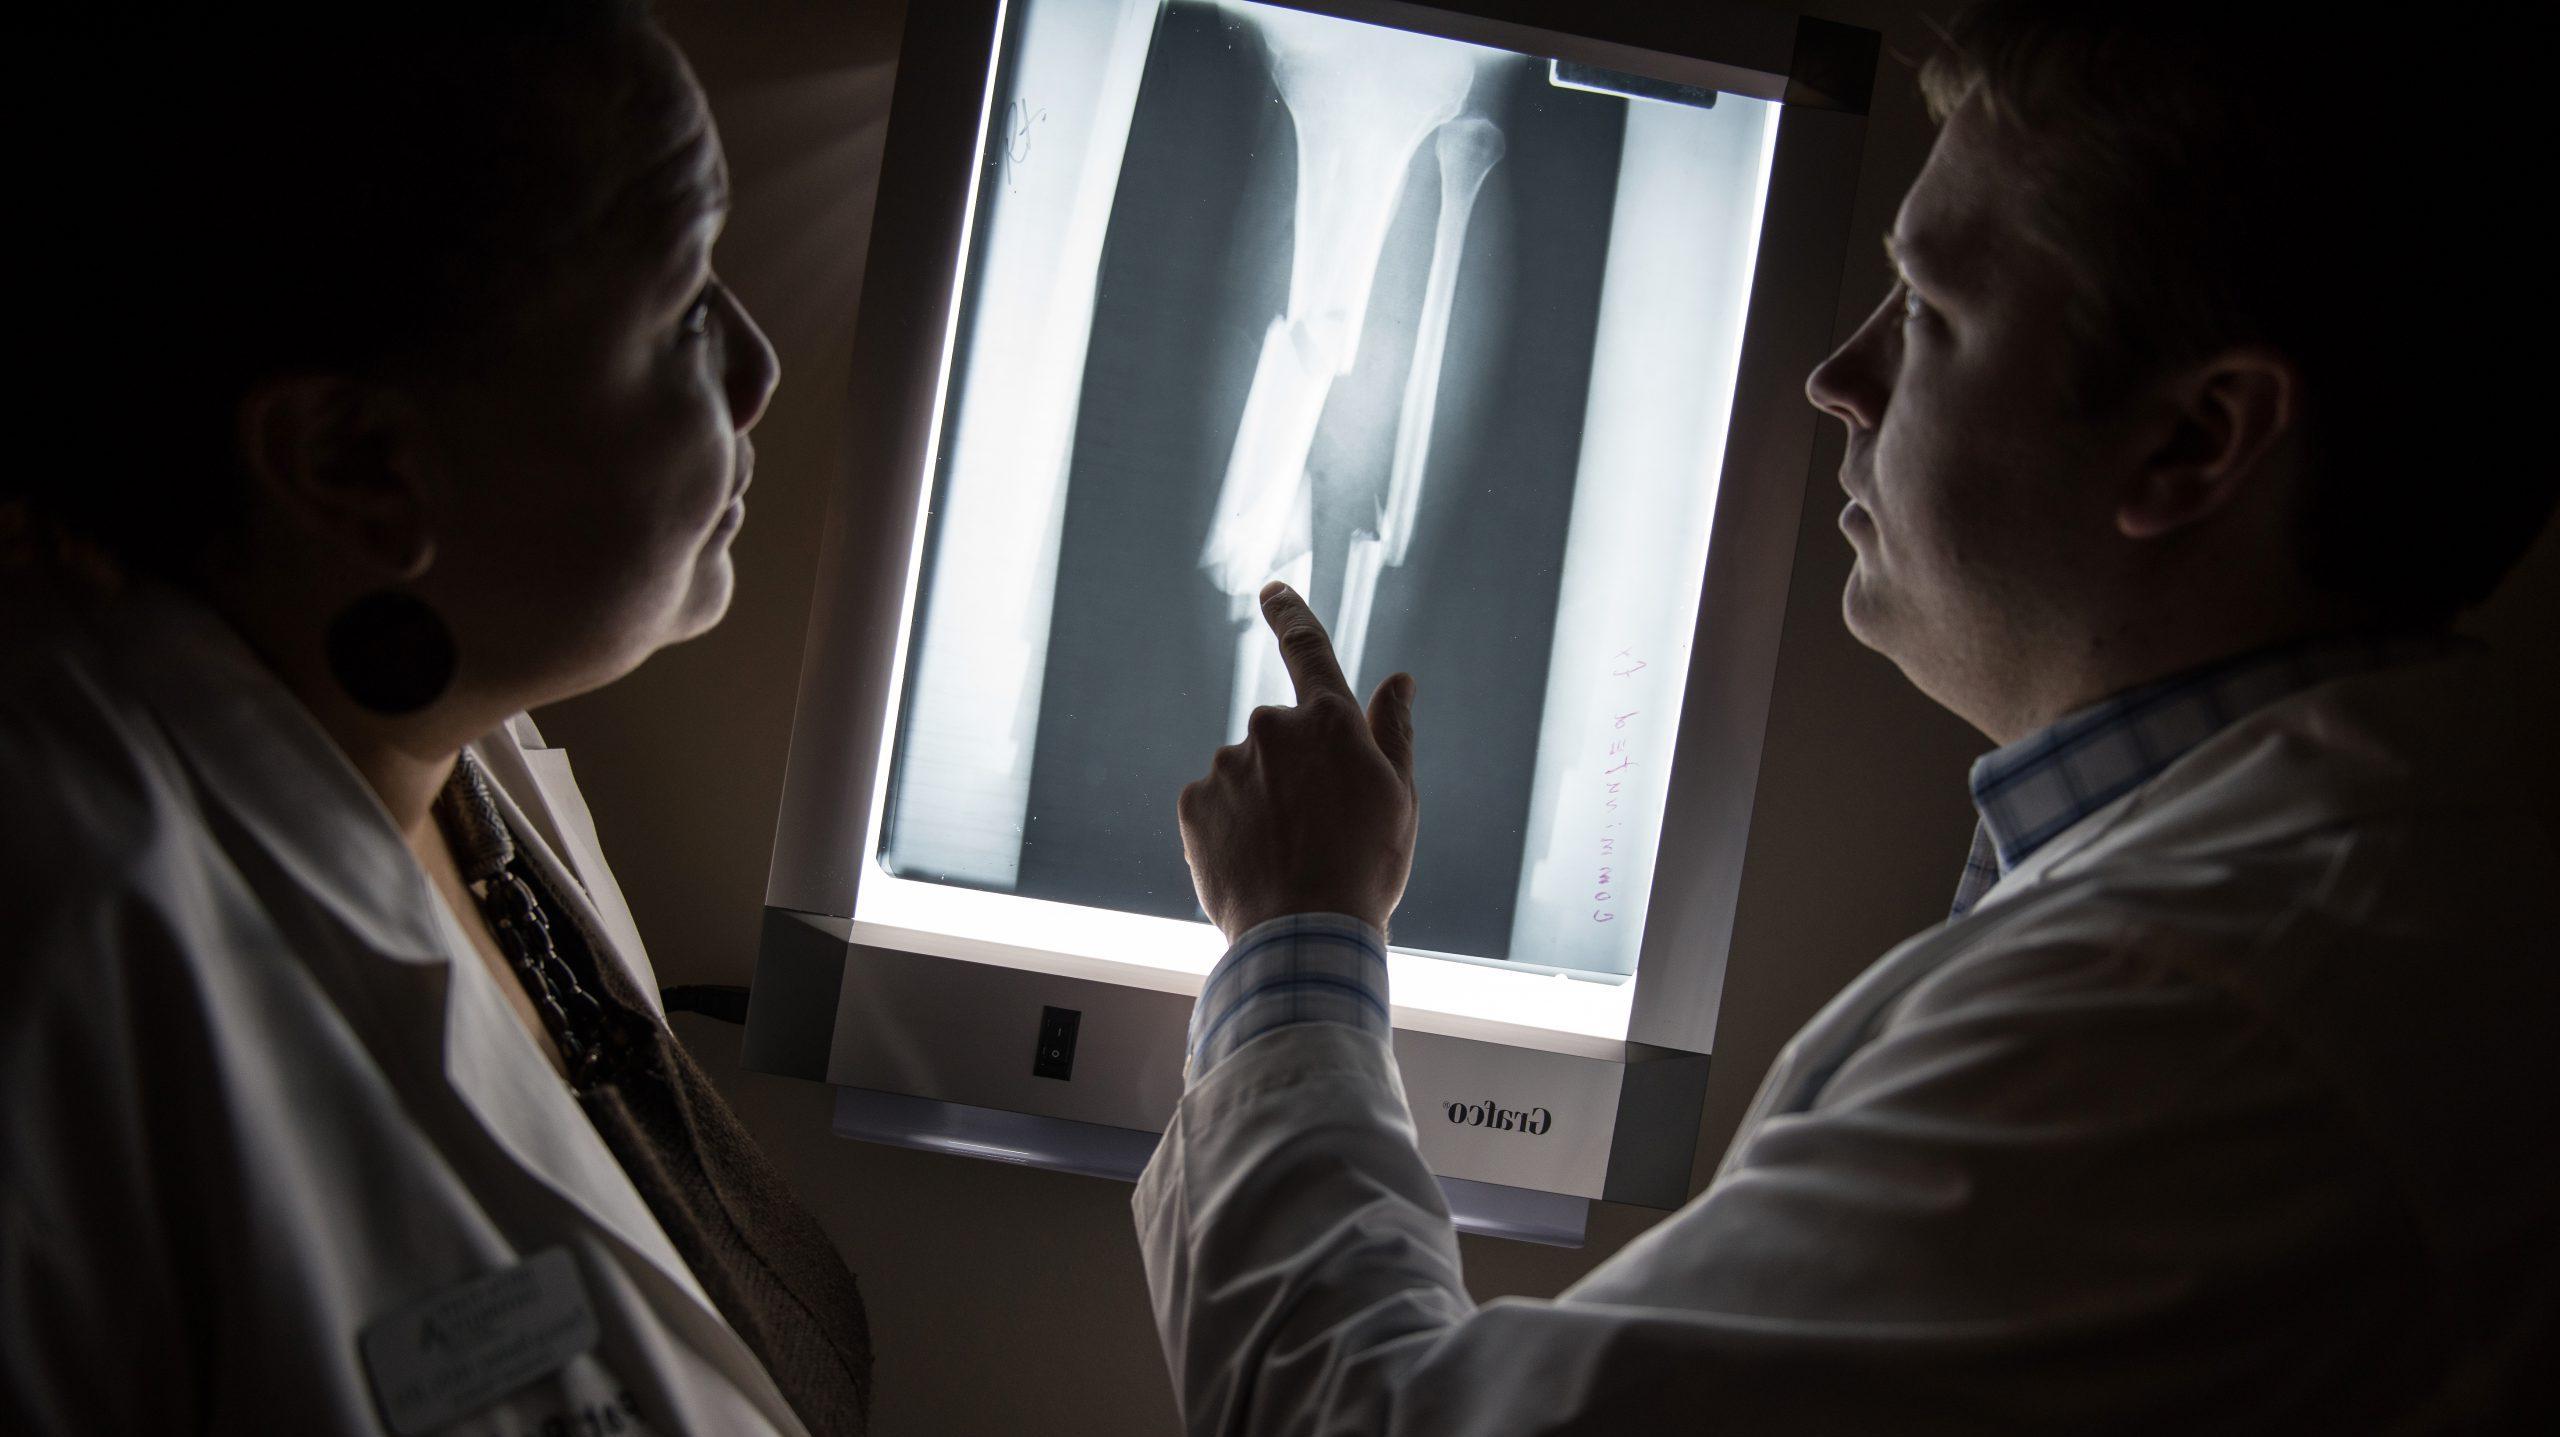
(2028, 791)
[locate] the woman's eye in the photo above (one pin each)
(697, 315)
(1913, 306)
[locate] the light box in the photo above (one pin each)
(1486, 332)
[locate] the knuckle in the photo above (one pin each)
(1331, 708)
(1262, 721)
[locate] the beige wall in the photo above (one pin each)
(1007, 1300)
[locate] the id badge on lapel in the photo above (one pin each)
(462, 1349)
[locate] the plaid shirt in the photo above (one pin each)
(2028, 791)
(1305, 968)
(1327, 968)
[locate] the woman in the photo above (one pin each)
(337, 1094)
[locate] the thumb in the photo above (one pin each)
(1391, 722)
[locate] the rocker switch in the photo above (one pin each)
(1055, 1057)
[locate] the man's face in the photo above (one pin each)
(1978, 510)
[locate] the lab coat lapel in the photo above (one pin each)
(485, 1062)
(269, 772)
(2240, 772)
(516, 1098)
(2246, 779)
(584, 1171)
(2304, 763)
(519, 1103)
(269, 767)
(2350, 748)
(544, 797)
(1843, 1026)
(275, 774)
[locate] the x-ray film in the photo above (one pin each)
(1444, 336)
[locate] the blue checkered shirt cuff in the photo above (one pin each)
(1305, 968)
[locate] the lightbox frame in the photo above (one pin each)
(1820, 73)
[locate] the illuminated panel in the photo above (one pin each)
(1444, 336)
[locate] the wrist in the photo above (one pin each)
(1315, 915)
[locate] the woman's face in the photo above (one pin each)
(585, 481)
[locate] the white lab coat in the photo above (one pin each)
(259, 1088)
(2232, 1109)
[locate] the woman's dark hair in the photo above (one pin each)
(2273, 173)
(272, 188)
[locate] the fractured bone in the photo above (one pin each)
(1468, 149)
(1361, 100)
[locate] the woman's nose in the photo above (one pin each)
(753, 370)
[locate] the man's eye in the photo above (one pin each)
(697, 315)
(1913, 306)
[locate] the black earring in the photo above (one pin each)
(391, 653)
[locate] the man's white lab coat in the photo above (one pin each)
(257, 1090)
(2232, 1109)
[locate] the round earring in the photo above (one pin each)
(391, 653)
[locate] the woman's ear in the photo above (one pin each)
(337, 459)
(2230, 418)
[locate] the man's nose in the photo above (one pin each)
(1851, 384)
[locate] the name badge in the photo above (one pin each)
(456, 1351)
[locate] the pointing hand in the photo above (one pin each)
(1315, 810)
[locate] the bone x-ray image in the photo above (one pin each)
(1444, 336)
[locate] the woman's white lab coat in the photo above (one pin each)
(261, 1094)
(2232, 1109)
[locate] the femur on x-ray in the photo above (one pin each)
(1444, 341)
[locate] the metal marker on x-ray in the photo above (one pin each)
(1573, 75)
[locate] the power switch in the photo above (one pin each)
(1056, 1055)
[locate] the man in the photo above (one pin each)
(2221, 1101)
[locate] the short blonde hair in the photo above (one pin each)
(2219, 174)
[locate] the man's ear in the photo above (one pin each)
(337, 458)
(2229, 417)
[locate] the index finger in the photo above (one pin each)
(1304, 646)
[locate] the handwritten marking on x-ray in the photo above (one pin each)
(1019, 118)
(1604, 891)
